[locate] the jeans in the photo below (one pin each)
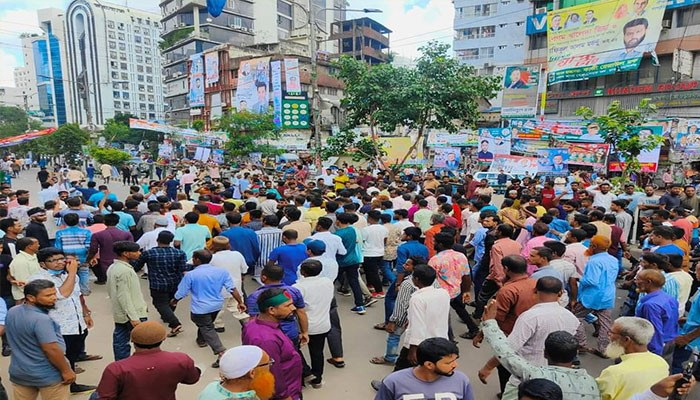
(100, 272)
(335, 335)
(121, 340)
(205, 331)
(388, 271)
(392, 345)
(84, 280)
(390, 301)
(371, 266)
(161, 301)
(353, 278)
(680, 355)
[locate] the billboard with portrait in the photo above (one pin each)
(291, 75)
(689, 137)
(196, 94)
(553, 161)
(253, 90)
(648, 159)
(211, 64)
(396, 147)
(447, 158)
(520, 91)
(601, 38)
(463, 138)
(495, 140)
(592, 155)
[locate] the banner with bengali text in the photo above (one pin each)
(520, 84)
(515, 165)
(648, 159)
(592, 155)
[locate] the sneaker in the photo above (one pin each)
(78, 388)
(6, 351)
(316, 383)
(590, 318)
(369, 301)
(215, 364)
(376, 384)
(378, 295)
(358, 309)
(346, 293)
(220, 330)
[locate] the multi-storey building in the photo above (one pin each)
(25, 76)
(114, 62)
(673, 85)
(363, 38)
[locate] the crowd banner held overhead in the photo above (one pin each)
(447, 158)
(196, 95)
(498, 140)
(396, 148)
(291, 75)
(553, 161)
(591, 155)
(276, 70)
(648, 160)
(25, 137)
(464, 138)
(211, 64)
(253, 90)
(520, 91)
(601, 38)
(165, 150)
(217, 155)
(295, 110)
(515, 165)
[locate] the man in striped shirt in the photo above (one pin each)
(269, 237)
(75, 240)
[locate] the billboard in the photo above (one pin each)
(291, 75)
(520, 84)
(396, 148)
(570, 131)
(601, 38)
(276, 70)
(447, 158)
(196, 94)
(516, 165)
(253, 90)
(592, 155)
(648, 160)
(211, 65)
(688, 138)
(464, 138)
(553, 161)
(493, 141)
(295, 110)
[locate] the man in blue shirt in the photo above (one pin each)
(596, 292)
(95, 199)
(689, 334)
(289, 256)
(660, 309)
(242, 240)
(205, 282)
(663, 236)
(409, 248)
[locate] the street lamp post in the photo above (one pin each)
(313, 47)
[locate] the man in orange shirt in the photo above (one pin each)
(436, 224)
(207, 220)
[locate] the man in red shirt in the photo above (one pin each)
(149, 370)
(547, 194)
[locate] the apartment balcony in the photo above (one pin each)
(362, 31)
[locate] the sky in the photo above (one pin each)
(413, 24)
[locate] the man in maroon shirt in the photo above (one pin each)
(150, 372)
(102, 242)
(547, 194)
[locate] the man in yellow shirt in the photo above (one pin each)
(639, 368)
(314, 212)
(340, 180)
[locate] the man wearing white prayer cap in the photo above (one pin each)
(245, 375)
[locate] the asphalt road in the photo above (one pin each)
(361, 342)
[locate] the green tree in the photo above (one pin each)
(68, 140)
(14, 121)
(109, 155)
(439, 93)
(247, 133)
(198, 125)
(348, 142)
(617, 127)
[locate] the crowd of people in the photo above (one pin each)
(535, 277)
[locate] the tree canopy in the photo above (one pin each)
(247, 133)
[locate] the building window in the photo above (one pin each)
(468, 54)
(125, 95)
(142, 97)
(122, 46)
(486, 52)
(138, 49)
(113, 55)
(518, 45)
(125, 76)
(147, 41)
(111, 35)
(146, 31)
(120, 26)
(139, 58)
(137, 29)
(503, 46)
(127, 106)
(284, 8)
(538, 41)
(137, 39)
(116, 94)
(140, 78)
(121, 36)
(689, 16)
(139, 68)
(112, 45)
(284, 23)
(142, 88)
(110, 24)
(117, 104)
(124, 66)
(519, 23)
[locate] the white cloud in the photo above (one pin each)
(413, 24)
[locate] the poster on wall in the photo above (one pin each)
(447, 158)
(648, 159)
(196, 95)
(276, 70)
(688, 138)
(520, 84)
(591, 155)
(601, 38)
(252, 92)
(291, 75)
(211, 64)
(553, 161)
(494, 141)
(514, 165)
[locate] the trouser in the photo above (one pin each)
(205, 331)
(100, 272)
(231, 305)
(57, 391)
(335, 335)
(121, 340)
(389, 301)
(126, 179)
(351, 274)
(172, 195)
(488, 290)
(392, 345)
(74, 346)
(681, 354)
(503, 377)
(402, 361)
(388, 271)
(604, 319)
(161, 301)
(84, 280)
(188, 188)
(371, 266)
(667, 352)
(316, 345)
(9, 303)
(463, 314)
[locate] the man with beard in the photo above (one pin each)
(434, 376)
(38, 365)
(639, 368)
(633, 34)
(276, 305)
(245, 375)
(150, 370)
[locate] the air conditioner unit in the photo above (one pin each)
(666, 24)
(541, 10)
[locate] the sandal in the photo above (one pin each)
(337, 364)
(380, 361)
(175, 331)
(90, 357)
(380, 326)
